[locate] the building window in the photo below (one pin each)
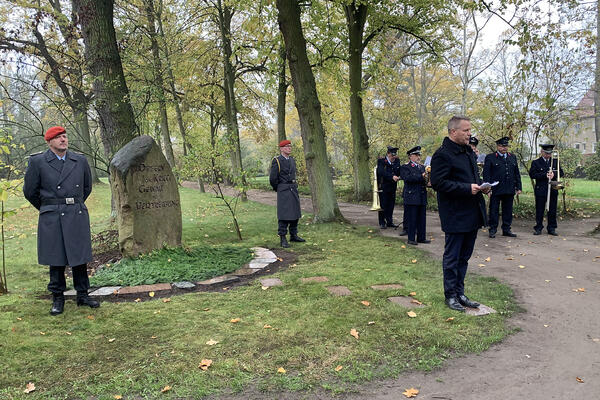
(577, 146)
(577, 128)
(583, 146)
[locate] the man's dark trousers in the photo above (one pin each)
(415, 222)
(540, 207)
(387, 200)
(283, 227)
(507, 208)
(58, 284)
(457, 251)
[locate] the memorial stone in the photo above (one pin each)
(146, 198)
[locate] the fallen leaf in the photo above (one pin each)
(569, 277)
(414, 261)
(153, 337)
(43, 333)
(212, 342)
(330, 240)
(151, 294)
(338, 368)
(267, 327)
(365, 303)
(235, 320)
(488, 259)
(29, 388)
(264, 287)
(403, 247)
(204, 364)
(206, 309)
(165, 389)
(412, 294)
(596, 340)
(415, 301)
(510, 258)
(279, 259)
(68, 333)
(412, 392)
(481, 265)
(166, 300)
(521, 266)
(280, 370)
(547, 280)
(19, 319)
(545, 325)
(371, 323)
(117, 396)
(354, 333)
(91, 317)
(411, 314)
(138, 300)
(450, 319)
(578, 379)
(111, 340)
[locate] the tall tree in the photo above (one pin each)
(309, 111)
(116, 118)
(597, 78)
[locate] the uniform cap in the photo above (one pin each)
(392, 150)
(414, 150)
(503, 141)
(547, 148)
(474, 141)
(284, 143)
(53, 132)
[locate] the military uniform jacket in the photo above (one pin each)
(504, 171)
(283, 179)
(539, 169)
(453, 170)
(414, 192)
(386, 173)
(63, 229)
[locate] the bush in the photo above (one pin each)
(592, 167)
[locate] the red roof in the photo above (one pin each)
(585, 108)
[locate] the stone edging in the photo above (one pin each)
(262, 258)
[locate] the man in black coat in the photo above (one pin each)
(388, 174)
(543, 171)
(414, 196)
(455, 178)
(283, 180)
(57, 183)
(501, 166)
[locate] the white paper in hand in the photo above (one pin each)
(486, 185)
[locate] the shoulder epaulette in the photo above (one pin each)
(36, 154)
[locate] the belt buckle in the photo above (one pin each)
(70, 200)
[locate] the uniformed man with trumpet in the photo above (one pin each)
(415, 196)
(544, 170)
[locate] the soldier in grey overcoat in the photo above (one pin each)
(57, 183)
(282, 178)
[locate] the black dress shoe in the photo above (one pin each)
(392, 226)
(283, 242)
(509, 234)
(424, 241)
(58, 304)
(492, 234)
(454, 304)
(553, 233)
(382, 227)
(413, 242)
(536, 232)
(87, 301)
(464, 300)
(403, 233)
(296, 238)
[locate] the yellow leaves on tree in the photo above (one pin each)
(412, 392)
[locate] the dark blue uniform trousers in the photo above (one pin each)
(387, 202)
(457, 251)
(283, 227)
(507, 208)
(58, 284)
(540, 207)
(415, 222)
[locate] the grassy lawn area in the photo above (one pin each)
(137, 349)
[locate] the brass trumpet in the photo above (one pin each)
(376, 206)
(556, 185)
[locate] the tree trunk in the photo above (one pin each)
(233, 132)
(116, 118)
(356, 16)
(281, 95)
(597, 77)
(160, 88)
(325, 205)
(83, 126)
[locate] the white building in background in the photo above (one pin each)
(581, 134)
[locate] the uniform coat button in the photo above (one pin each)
(62, 214)
(58, 187)
(79, 212)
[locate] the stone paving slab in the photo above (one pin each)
(267, 260)
(184, 285)
(387, 286)
(339, 290)
(259, 265)
(145, 288)
(482, 310)
(71, 292)
(315, 279)
(224, 279)
(405, 301)
(270, 282)
(105, 291)
(245, 271)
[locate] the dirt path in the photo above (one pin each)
(559, 339)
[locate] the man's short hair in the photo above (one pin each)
(455, 121)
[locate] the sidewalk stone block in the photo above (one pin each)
(387, 286)
(270, 282)
(244, 271)
(339, 290)
(145, 288)
(405, 301)
(184, 285)
(482, 310)
(105, 291)
(224, 279)
(71, 292)
(259, 265)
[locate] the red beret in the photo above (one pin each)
(284, 143)
(53, 132)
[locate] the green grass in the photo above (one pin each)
(158, 344)
(173, 265)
